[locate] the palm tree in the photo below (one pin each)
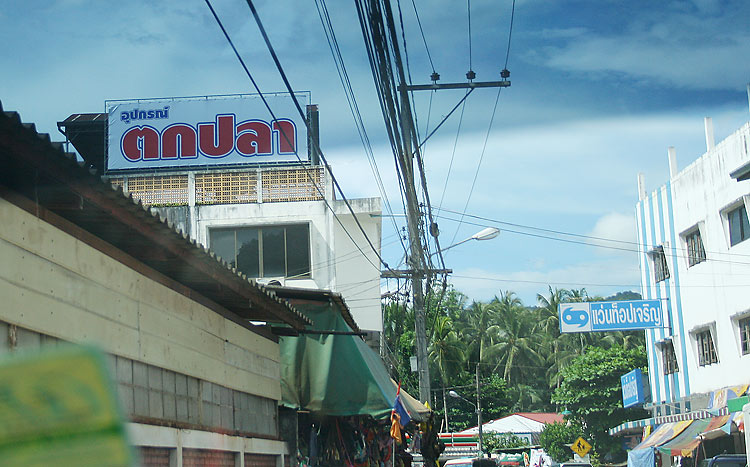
(446, 353)
(481, 329)
(516, 347)
(549, 321)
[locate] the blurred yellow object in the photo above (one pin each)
(59, 407)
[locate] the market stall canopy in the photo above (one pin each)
(519, 423)
(684, 443)
(337, 374)
(663, 434)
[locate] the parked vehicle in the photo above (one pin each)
(470, 462)
(725, 460)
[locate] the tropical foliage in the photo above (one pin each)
(522, 358)
(591, 392)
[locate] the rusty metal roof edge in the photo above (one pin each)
(302, 293)
(110, 190)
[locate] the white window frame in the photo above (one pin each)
(736, 318)
(264, 278)
(711, 329)
(656, 254)
(724, 214)
(700, 229)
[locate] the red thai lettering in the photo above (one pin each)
(287, 135)
(217, 139)
(141, 142)
(179, 140)
(254, 137)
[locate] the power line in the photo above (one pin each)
(419, 22)
(510, 33)
(556, 283)
(640, 248)
(302, 115)
(453, 154)
(352, 101)
(479, 165)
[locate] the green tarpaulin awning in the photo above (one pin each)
(336, 375)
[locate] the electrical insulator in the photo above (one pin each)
(505, 74)
(470, 75)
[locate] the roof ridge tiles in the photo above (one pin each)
(12, 119)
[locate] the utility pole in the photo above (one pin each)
(413, 218)
(399, 110)
(479, 416)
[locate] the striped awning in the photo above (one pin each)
(679, 417)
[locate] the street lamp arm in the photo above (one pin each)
(456, 395)
(486, 234)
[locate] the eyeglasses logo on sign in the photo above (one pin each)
(575, 318)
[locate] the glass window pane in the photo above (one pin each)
(274, 262)
(298, 251)
(248, 257)
(734, 227)
(222, 243)
(744, 226)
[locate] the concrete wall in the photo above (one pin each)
(56, 285)
(709, 295)
(337, 263)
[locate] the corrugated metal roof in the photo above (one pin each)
(300, 294)
(51, 183)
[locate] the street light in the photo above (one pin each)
(478, 408)
(486, 234)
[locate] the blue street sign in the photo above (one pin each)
(610, 316)
(632, 388)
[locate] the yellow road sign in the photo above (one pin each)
(580, 447)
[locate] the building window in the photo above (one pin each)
(273, 251)
(744, 325)
(696, 252)
(669, 359)
(661, 270)
(706, 348)
(739, 229)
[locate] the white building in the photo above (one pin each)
(695, 257)
(277, 220)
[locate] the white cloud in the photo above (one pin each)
(687, 47)
(615, 233)
(597, 277)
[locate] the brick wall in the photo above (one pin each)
(207, 458)
(154, 457)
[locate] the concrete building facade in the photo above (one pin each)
(285, 212)
(82, 263)
(695, 258)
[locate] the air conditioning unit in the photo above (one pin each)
(272, 281)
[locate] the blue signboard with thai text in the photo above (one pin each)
(632, 388)
(610, 316)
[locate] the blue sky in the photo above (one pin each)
(600, 90)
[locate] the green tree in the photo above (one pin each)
(481, 329)
(591, 391)
(556, 439)
(493, 442)
(516, 349)
(494, 398)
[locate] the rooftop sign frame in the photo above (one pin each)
(180, 133)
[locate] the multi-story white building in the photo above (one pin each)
(695, 257)
(271, 215)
